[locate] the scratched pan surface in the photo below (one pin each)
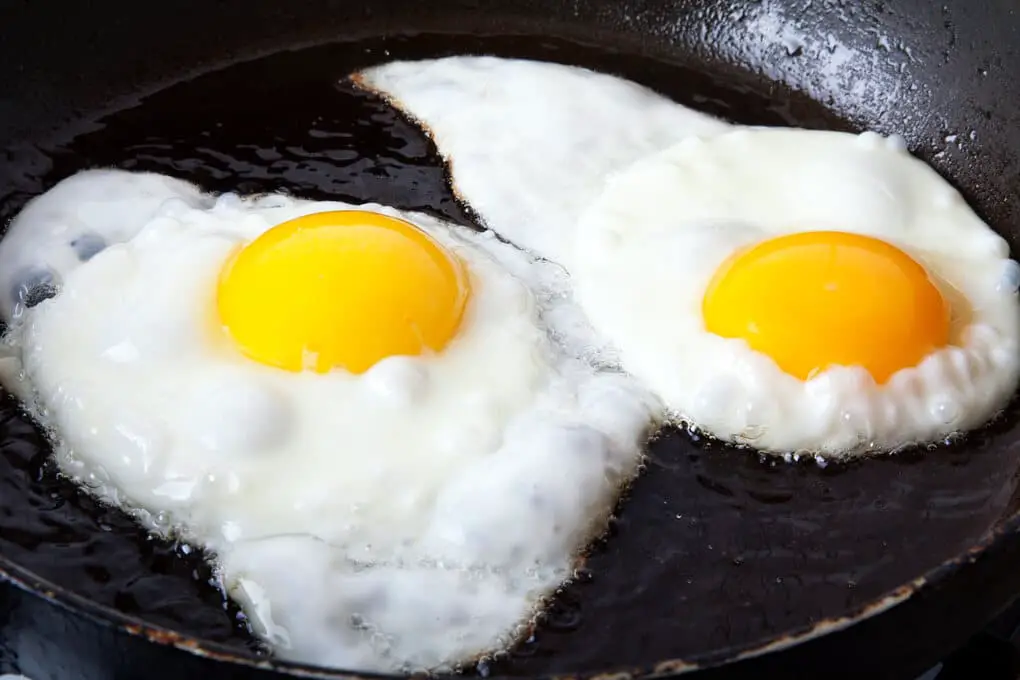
(719, 563)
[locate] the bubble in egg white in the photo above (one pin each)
(88, 245)
(960, 367)
(399, 381)
(869, 139)
(944, 409)
(160, 227)
(233, 413)
(1004, 357)
(1009, 279)
(896, 143)
(758, 412)
(176, 208)
(228, 201)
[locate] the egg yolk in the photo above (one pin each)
(341, 289)
(815, 299)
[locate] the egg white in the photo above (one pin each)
(406, 519)
(648, 247)
(50, 238)
(529, 144)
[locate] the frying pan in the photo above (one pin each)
(718, 564)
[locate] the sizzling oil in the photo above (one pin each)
(713, 547)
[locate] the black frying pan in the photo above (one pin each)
(718, 564)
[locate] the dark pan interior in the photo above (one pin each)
(714, 550)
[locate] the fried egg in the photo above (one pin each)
(802, 291)
(529, 144)
(384, 429)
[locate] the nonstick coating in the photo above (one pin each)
(938, 527)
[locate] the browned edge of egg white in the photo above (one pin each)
(357, 79)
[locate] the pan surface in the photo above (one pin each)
(715, 552)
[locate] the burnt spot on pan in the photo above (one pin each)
(713, 548)
(33, 285)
